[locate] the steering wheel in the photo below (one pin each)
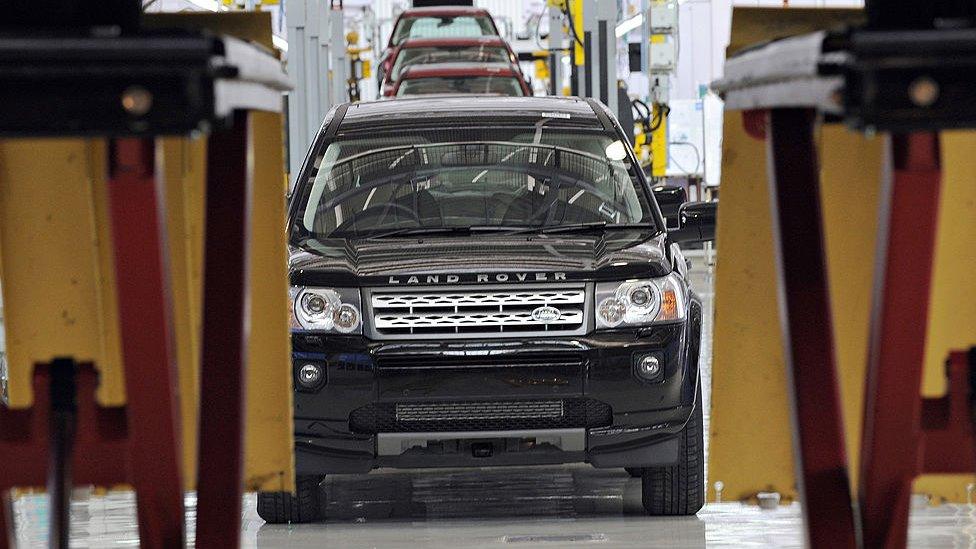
(383, 209)
(542, 209)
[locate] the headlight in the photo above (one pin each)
(326, 309)
(640, 302)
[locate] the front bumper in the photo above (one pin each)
(350, 425)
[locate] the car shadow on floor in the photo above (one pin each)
(489, 507)
(554, 492)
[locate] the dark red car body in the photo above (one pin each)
(389, 82)
(462, 70)
(385, 62)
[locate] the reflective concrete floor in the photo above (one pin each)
(571, 506)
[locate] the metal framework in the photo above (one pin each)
(138, 240)
(133, 87)
(317, 61)
(807, 328)
(907, 73)
(599, 21)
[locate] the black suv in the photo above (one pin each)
(484, 281)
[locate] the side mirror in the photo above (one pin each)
(670, 198)
(696, 222)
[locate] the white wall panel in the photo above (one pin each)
(801, 3)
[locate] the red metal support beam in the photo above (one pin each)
(136, 201)
(892, 436)
(6, 519)
(98, 444)
(225, 318)
(794, 180)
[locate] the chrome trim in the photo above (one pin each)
(425, 311)
(395, 444)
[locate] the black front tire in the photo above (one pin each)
(285, 507)
(679, 489)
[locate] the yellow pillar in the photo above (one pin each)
(185, 173)
(57, 275)
(659, 143)
(269, 443)
(749, 428)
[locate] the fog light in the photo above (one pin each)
(649, 367)
(310, 376)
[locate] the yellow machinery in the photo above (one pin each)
(359, 68)
(63, 281)
(750, 448)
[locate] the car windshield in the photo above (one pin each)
(495, 85)
(446, 54)
(367, 187)
(447, 26)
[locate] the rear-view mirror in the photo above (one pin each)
(670, 198)
(696, 222)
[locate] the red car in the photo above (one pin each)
(436, 22)
(452, 78)
(424, 51)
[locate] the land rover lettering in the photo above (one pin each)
(476, 278)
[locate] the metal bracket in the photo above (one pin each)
(174, 82)
(947, 422)
(902, 80)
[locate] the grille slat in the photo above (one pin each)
(451, 321)
(477, 311)
(511, 415)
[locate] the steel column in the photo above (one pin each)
(63, 424)
(892, 435)
(136, 202)
(794, 185)
(224, 341)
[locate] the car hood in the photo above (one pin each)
(610, 255)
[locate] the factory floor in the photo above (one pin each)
(569, 506)
(573, 506)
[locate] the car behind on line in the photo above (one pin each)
(461, 78)
(431, 51)
(436, 22)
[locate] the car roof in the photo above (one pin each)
(458, 69)
(437, 42)
(443, 10)
(471, 110)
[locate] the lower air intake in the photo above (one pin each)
(481, 416)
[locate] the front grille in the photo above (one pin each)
(478, 312)
(511, 415)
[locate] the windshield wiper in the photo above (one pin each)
(417, 231)
(579, 227)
